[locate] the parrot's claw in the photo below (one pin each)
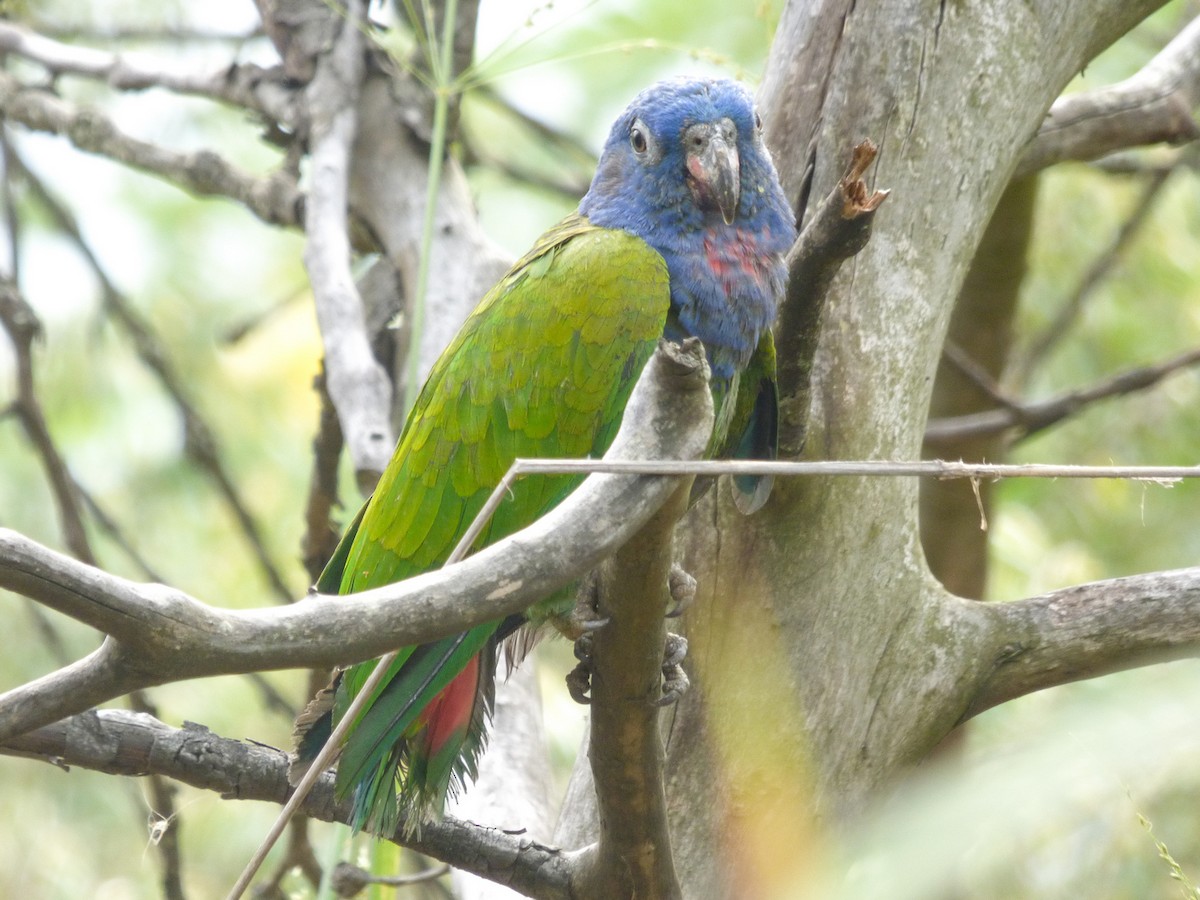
(585, 616)
(675, 681)
(579, 679)
(683, 590)
(587, 626)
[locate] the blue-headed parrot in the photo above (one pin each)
(682, 233)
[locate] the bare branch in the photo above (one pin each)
(840, 228)
(22, 325)
(357, 384)
(246, 86)
(1027, 359)
(633, 857)
(116, 33)
(135, 744)
(1089, 630)
(1030, 418)
(1154, 105)
(976, 373)
(158, 634)
(274, 199)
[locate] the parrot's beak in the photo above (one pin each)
(714, 172)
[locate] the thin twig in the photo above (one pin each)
(348, 880)
(931, 468)
(22, 325)
(200, 443)
(320, 537)
(976, 374)
(1030, 418)
(1024, 363)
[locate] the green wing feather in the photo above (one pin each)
(747, 428)
(543, 367)
(754, 425)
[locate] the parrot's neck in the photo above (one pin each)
(725, 285)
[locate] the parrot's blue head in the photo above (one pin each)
(685, 169)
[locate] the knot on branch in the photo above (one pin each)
(857, 200)
(683, 364)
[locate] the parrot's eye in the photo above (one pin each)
(637, 140)
(757, 122)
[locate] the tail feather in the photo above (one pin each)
(421, 735)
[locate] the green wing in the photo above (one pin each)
(754, 425)
(543, 367)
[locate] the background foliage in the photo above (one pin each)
(1046, 797)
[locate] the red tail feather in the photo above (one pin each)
(449, 713)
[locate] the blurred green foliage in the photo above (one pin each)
(1045, 802)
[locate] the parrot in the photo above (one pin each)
(682, 234)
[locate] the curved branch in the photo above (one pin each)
(1088, 630)
(134, 744)
(357, 384)
(274, 199)
(1152, 106)
(161, 634)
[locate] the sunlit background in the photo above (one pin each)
(1053, 794)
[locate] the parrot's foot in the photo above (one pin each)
(683, 591)
(579, 679)
(675, 681)
(585, 617)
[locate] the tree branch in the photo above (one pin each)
(134, 744)
(1154, 105)
(22, 325)
(357, 384)
(1088, 630)
(1030, 418)
(274, 199)
(840, 228)
(158, 634)
(633, 857)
